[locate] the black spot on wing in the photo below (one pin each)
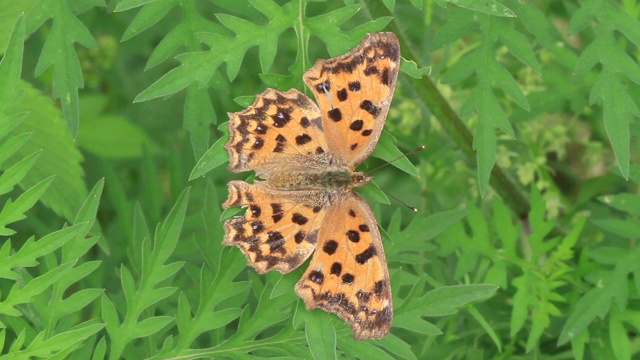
(347, 278)
(335, 114)
(356, 125)
(336, 269)
(316, 277)
(330, 247)
(276, 211)
(342, 94)
(303, 139)
(364, 256)
(354, 86)
(353, 236)
(369, 107)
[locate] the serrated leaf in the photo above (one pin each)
(150, 326)
(149, 15)
(411, 68)
(14, 211)
(506, 82)
(456, 27)
(596, 302)
(485, 143)
(145, 293)
(16, 172)
(24, 294)
(519, 46)
(59, 156)
(46, 347)
(10, 71)
(59, 51)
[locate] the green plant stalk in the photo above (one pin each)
(449, 120)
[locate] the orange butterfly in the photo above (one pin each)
(307, 155)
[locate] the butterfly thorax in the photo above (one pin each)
(332, 178)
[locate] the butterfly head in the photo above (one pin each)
(359, 179)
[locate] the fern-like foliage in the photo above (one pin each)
(140, 296)
(59, 52)
(199, 67)
(490, 73)
(39, 298)
(616, 67)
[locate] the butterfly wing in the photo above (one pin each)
(279, 129)
(354, 92)
(348, 272)
(280, 228)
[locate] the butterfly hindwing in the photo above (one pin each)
(348, 272)
(279, 229)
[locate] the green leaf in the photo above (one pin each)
(16, 172)
(46, 347)
(596, 302)
(10, 71)
(214, 157)
(25, 293)
(386, 150)
(59, 51)
(361, 349)
(58, 154)
(145, 293)
(150, 14)
(396, 346)
(321, 336)
(31, 250)
(626, 202)
(150, 326)
(411, 68)
(628, 228)
(490, 7)
(113, 137)
(620, 341)
(447, 299)
(14, 211)
(410, 322)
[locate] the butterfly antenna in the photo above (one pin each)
(413, 208)
(419, 148)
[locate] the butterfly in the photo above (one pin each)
(306, 155)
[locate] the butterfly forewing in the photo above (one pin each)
(280, 128)
(354, 93)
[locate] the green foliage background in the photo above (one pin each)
(112, 172)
